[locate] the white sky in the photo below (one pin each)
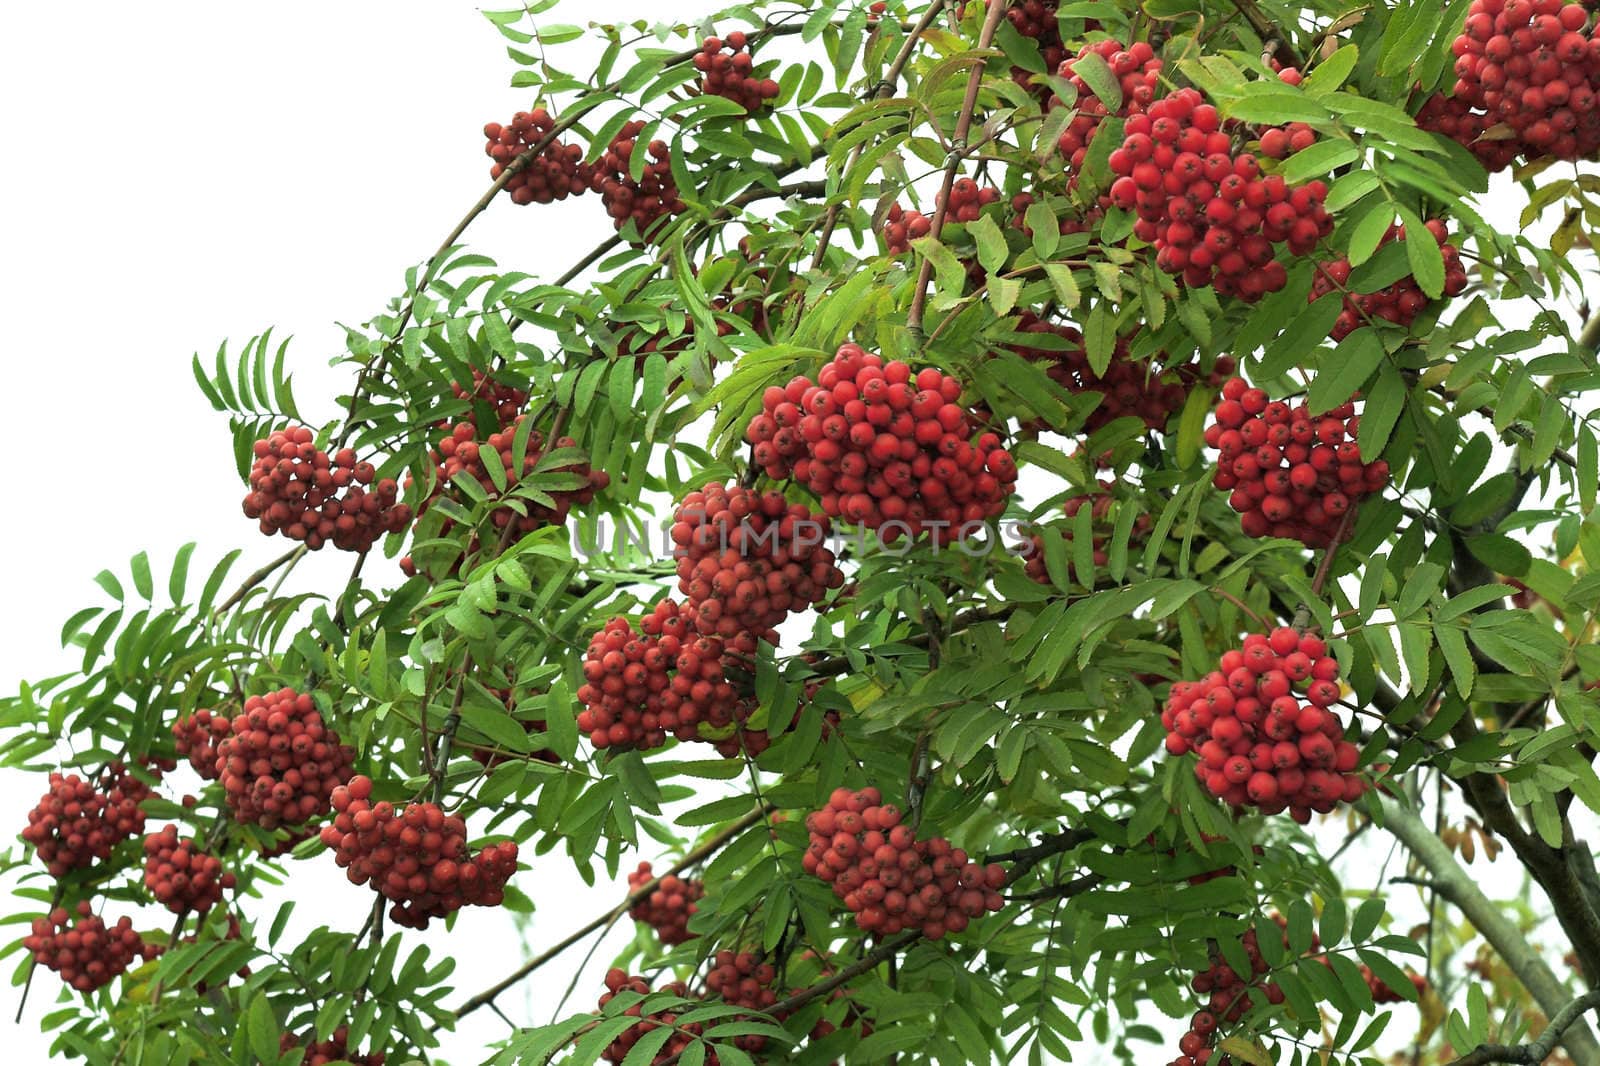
(183, 173)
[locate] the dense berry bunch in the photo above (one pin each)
(727, 69)
(683, 1036)
(649, 199)
(902, 226)
(640, 686)
(86, 954)
(1535, 66)
(180, 876)
(334, 1050)
(555, 173)
(668, 907)
(1400, 302)
(889, 878)
(280, 763)
(968, 199)
(1138, 72)
(1212, 215)
(1099, 503)
(742, 979)
(1260, 742)
(415, 856)
(1290, 474)
(296, 489)
(75, 823)
(1130, 386)
(1227, 997)
(198, 735)
(1457, 120)
(746, 559)
(884, 449)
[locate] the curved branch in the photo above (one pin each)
(1457, 886)
(1536, 1052)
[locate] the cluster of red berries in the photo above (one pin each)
(296, 489)
(1535, 66)
(280, 762)
(1137, 70)
(75, 824)
(1400, 302)
(181, 876)
(1228, 996)
(967, 200)
(743, 979)
(640, 686)
(727, 70)
(1289, 474)
(902, 226)
(1281, 142)
(683, 1036)
(1129, 387)
(1456, 119)
(334, 1050)
(1212, 216)
(1259, 742)
(746, 559)
(555, 173)
(882, 448)
(198, 735)
(889, 878)
(87, 954)
(1099, 503)
(415, 856)
(668, 907)
(649, 199)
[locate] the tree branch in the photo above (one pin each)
(1455, 885)
(881, 91)
(1536, 1052)
(958, 151)
(711, 846)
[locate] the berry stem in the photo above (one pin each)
(958, 149)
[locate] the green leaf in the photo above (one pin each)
(1369, 231)
(1422, 252)
(1097, 74)
(1319, 158)
(1100, 339)
(1331, 72)
(992, 250)
(1345, 370)
(1304, 333)
(1385, 400)
(263, 1028)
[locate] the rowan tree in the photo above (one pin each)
(1026, 492)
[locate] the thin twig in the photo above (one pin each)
(882, 91)
(958, 149)
(711, 846)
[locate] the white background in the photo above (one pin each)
(182, 173)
